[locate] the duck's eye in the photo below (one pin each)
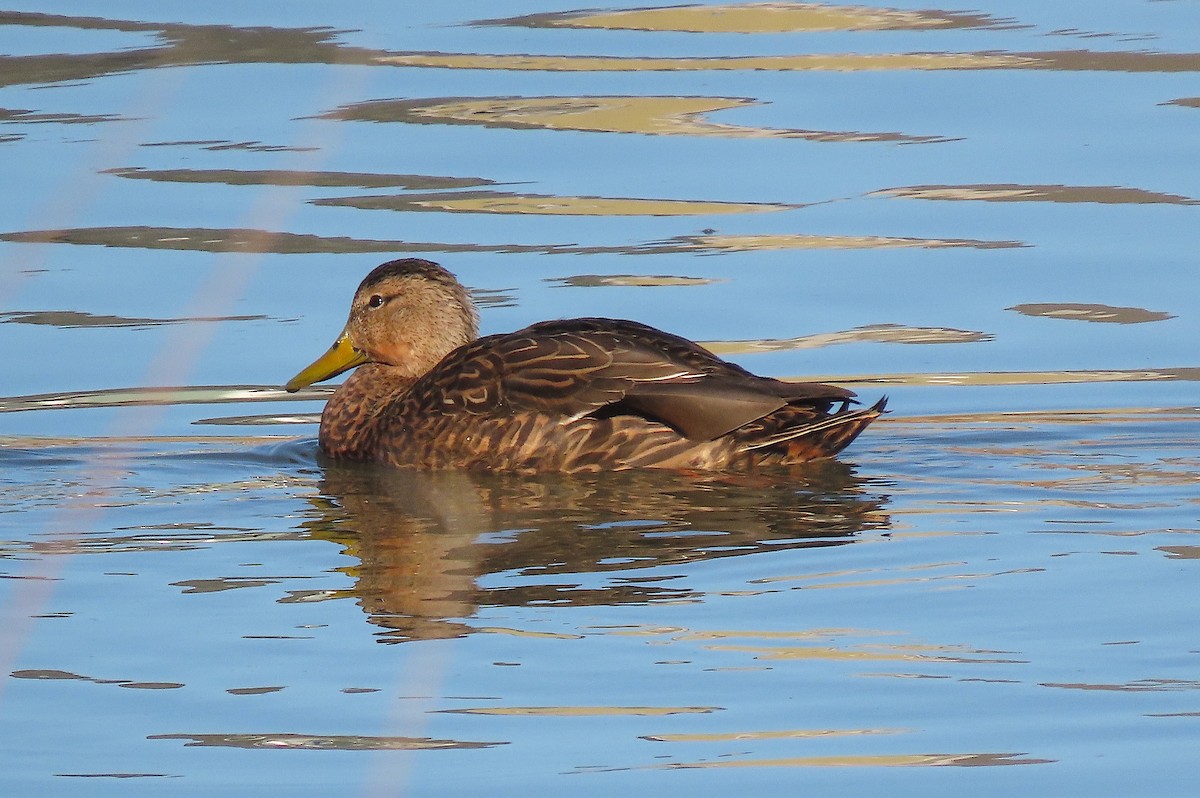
(375, 301)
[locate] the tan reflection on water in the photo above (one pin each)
(31, 117)
(186, 45)
(900, 654)
(854, 647)
(846, 62)
(870, 760)
(1139, 686)
(1181, 552)
(658, 116)
(749, 243)
(1187, 374)
(631, 280)
(298, 177)
(786, 734)
(1016, 192)
(1052, 61)
(547, 205)
(873, 333)
(324, 742)
(758, 18)
(839, 583)
(208, 239)
(66, 319)
(141, 397)
(1097, 313)
(582, 712)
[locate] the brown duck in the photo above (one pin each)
(566, 396)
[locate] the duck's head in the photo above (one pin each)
(407, 314)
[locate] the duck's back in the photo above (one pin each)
(601, 394)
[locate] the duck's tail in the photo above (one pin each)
(824, 437)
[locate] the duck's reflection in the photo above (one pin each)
(433, 547)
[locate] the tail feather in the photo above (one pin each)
(821, 438)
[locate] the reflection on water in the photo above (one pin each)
(242, 240)
(658, 116)
(66, 319)
(325, 742)
(32, 117)
(293, 177)
(750, 243)
(181, 44)
(807, 62)
(880, 760)
(193, 604)
(770, 17)
(627, 280)
(432, 545)
(1108, 195)
(890, 333)
(1100, 313)
(543, 204)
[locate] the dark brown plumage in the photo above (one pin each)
(571, 395)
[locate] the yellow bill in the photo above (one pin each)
(342, 356)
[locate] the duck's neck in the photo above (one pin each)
(349, 423)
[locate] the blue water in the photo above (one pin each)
(992, 591)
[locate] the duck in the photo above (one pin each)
(566, 396)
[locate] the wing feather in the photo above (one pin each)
(583, 367)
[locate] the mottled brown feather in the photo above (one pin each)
(572, 395)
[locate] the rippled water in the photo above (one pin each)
(988, 214)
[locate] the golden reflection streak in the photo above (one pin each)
(652, 115)
(1185, 374)
(322, 742)
(249, 240)
(822, 653)
(875, 652)
(632, 280)
(550, 205)
(298, 177)
(763, 17)
(1017, 192)
(581, 712)
(847, 62)
(592, 206)
(802, 634)
(898, 653)
(1138, 686)
(751, 243)
(502, 630)
(867, 760)
(873, 333)
(787, 734)
(897, 581)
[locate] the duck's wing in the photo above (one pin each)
(598, 367)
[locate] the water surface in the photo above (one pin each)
(988, 213)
